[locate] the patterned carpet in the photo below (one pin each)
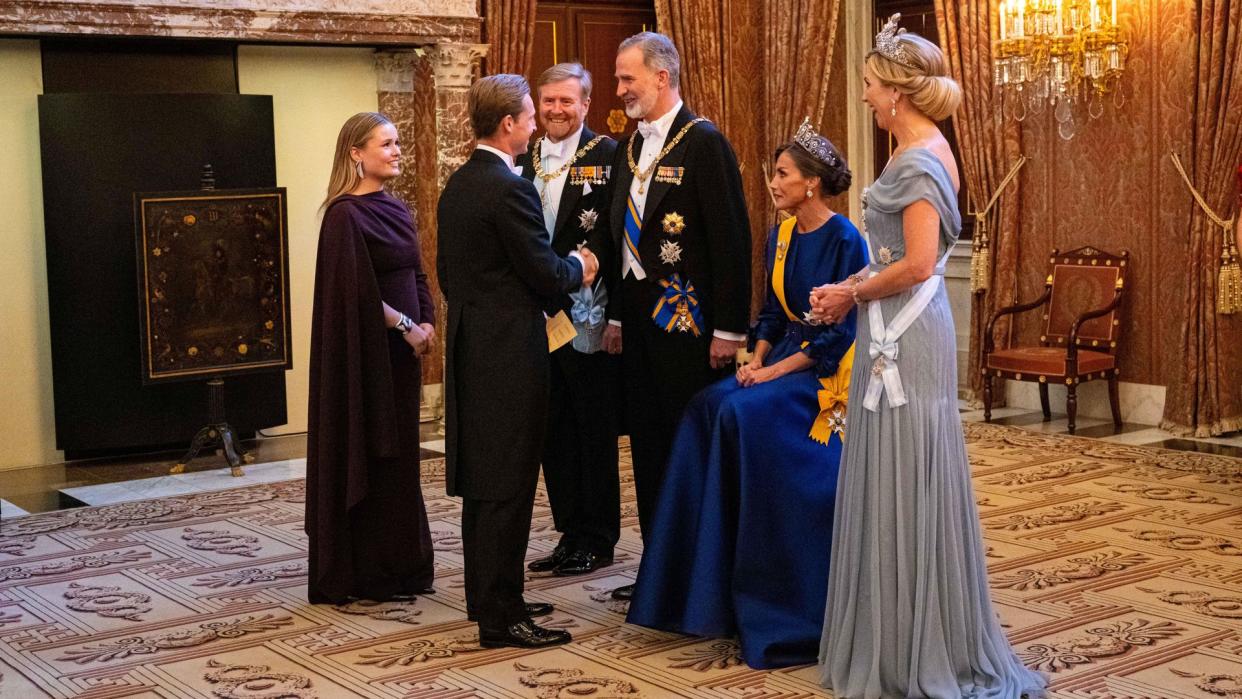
(1116, 569)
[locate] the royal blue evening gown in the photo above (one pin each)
(736, 546)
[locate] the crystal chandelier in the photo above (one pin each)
(1058, 53)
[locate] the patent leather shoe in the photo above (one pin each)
(523, 634)
(580, 562)
(549, 562)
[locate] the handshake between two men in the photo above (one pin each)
(590, 265)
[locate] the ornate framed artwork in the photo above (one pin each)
(213, 283)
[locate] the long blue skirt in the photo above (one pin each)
(737, 543)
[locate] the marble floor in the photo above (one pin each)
(126, 479)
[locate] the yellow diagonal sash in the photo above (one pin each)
(783, 235)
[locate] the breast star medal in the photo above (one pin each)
(587, 219)
(674, 224)
(670, 252)
(885, 255)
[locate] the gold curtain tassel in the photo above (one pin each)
(981, 250)
(1229, 276)
(981, 256)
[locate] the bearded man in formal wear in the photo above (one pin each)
(677, 253)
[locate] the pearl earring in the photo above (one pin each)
(893, 111)
(808, 194)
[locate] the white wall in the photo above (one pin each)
(313, 91)
(27, 426)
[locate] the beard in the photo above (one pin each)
(640, 107)
(559, 129)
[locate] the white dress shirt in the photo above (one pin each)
(554, 156)
(655, 134)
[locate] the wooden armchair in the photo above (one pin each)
(1082, 325)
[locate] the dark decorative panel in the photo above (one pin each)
(97, 151)
(213, 276)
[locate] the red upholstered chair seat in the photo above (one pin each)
(1047, 361)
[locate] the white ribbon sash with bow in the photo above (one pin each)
(883, 348)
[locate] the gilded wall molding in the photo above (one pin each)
(368, 22)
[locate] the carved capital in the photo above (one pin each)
(455, 64)
(394, 70)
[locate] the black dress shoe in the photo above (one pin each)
(547, 563)
(624, 593)
(532, 609)
(580, 562)
(524, 634)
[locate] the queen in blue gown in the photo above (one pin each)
(753, 472)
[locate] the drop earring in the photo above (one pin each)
(361, 176)
(808, 193)
(893, 111)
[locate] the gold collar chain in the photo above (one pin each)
(642, 176)
(538, 161)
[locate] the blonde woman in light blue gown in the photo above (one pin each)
(908, 611)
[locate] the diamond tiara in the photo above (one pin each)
(889, 46)
(816, 145)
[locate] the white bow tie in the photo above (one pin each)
(648, 129)
(552, 150)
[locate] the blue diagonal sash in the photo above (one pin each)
(633, 227)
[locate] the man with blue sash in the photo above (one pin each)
(677, 251)
(570, 166)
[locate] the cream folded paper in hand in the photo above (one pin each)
(560, 331)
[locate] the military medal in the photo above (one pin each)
(641, 175)
(546, 178)
(670, 252)
(674, 223)
(587, 219)
(670, 175)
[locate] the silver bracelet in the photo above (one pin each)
(404, 325)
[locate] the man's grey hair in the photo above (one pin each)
(659, 53)
(567, 71)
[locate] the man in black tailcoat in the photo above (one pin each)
(498, 273)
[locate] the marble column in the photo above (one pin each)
(455, 67)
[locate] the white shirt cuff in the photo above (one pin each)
(616, 323)
(733, 337)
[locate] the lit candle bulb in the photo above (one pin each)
(1095, 10)
(1114, 13)
(1060, 23)
(1021, 18)
(1004, 17)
